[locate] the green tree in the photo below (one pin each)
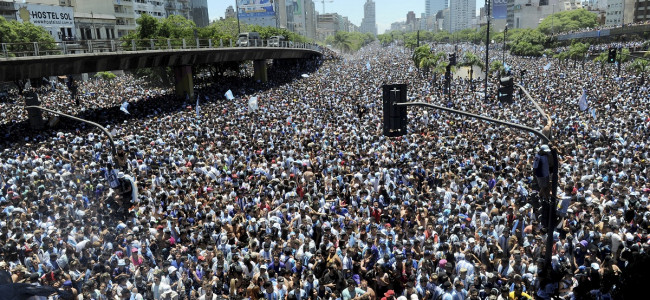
(639, 67)
(497, 66)
(567, 21)
(147, 27)
(342, 41)
(623, 55)
(470, 60)
(525, 42)
(577, 51)
(602, 59)
(420, 53)
(20, 37)
(441, 66)
(385, 39)
(223, 31)
(107, 75)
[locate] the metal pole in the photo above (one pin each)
(113, 151)
(487, 50)
(237, 13)
(504, 44)
(488, 119)
(541, 111)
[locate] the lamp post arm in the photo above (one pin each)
(113, 151)
(484, 118)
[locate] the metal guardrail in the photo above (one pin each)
(629, 29)
(10, 50)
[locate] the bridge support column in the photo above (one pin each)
(259, 71)
(183, 80)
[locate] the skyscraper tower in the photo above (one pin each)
(369, 24)
(432, 7)
(200, 12)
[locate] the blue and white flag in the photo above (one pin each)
(582, 103)
(229, 95)
(368, 66)
(197, 106)
(252, 104)
(593, 113)
(547, 66)
(124, 108)
(410, 69)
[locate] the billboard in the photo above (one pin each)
(499, 9)
(297, 7)
(255, 8)
(57, 20)
(46, 15)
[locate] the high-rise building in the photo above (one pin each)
(462, 14)
(620, 12)
(432, 7)
(369, 24)
(200, 13)
(230, 12)
(410, 17)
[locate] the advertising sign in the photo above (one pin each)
(255, 8)
(297, 7)
(46, 15)
(499, 9)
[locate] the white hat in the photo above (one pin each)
(172, 269)
(545, 149)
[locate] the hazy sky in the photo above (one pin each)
(388, 11)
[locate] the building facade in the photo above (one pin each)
(230, 12)
(462, 15)
(298, 16)
(641, 11)
(199, 12)
(328, 25)
(432, 7)
(369, 23)
(621, 12)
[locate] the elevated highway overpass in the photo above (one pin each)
(34, 60)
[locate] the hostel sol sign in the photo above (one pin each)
(46, 15)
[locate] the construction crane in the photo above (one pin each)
(323, 1)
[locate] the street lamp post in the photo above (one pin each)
(487, 50)
(505, 31)
(102, 128)
(545, 136)
(237, 14)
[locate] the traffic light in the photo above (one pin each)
(506, 89)
(34, 114)
(611, 57)
(452, 59)
(395, 118)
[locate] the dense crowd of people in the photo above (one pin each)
(301, 197)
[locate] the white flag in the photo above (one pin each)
(229, 95)
(582, 103)
(124, 108)
(252, 104)
(548, 66)
(197, 106)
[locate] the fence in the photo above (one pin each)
(94, 46)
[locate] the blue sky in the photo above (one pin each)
(388, 11)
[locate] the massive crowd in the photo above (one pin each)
(303, 198)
